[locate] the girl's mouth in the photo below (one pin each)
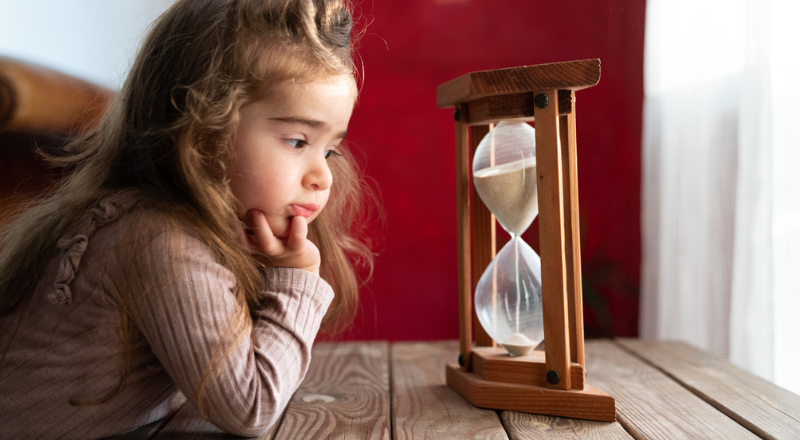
(306, 210)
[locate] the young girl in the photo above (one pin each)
(206, 229)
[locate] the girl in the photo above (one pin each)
(184, 252)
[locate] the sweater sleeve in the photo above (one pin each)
(186, 310)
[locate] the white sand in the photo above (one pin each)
(509, 191)
(519, 345)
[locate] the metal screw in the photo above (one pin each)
(553, 377)
(460, 356)
(541, 100)
(457, 114)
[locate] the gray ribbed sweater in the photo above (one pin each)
(68, 345)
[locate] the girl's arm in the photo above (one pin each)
(185, 309)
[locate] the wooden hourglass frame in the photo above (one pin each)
(551, 382)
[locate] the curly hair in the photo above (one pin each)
(167, 136)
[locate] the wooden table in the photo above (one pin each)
(377, 390)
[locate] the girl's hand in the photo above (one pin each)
(293, 251)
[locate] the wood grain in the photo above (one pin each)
(424, 407)
(572, 233)
(761, 406)
(573, 75)
(524, 426)
(33, 97)
(588, 403)
(483, 236)
(344, 395)
(516, 107)
(552, 241)
(650, 405)
(463, 230)
(494, 363)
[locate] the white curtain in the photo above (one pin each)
(90, 39)
(721, 180)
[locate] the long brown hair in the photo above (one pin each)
(167, 136)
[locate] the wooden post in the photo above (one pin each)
(463, 231)
(484, 236)
(572, 231)
(551, 239)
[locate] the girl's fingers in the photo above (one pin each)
(293, 251)
(264, 239)
(297, 234)
(244, 236)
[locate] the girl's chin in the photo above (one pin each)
(280, 232)
(281, 228)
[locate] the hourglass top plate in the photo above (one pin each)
(573, 75)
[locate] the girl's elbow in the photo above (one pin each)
(254, 420)
(251, 426)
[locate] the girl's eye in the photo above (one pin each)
(296, 143)
(334, 153)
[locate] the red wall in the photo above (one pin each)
(407, 145)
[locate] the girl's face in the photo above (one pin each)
(279, 162)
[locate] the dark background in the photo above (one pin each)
(407, 146)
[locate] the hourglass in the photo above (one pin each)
(520, 299)
(508, 297)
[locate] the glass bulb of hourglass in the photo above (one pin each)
(508, 297)
(504, 174)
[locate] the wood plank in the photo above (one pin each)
(463, 241)
(572, 232)
(551, 240)
(650, 404)
(188, 425)
(573, 75)
(484, 237)
(34, 97)
(494, 364)
(344, 395)
(524, 426)
(763, 407)
(588, 403)
(423, 407)
(516, 107)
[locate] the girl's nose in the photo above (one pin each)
(319, 175)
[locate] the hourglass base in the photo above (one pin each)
(494, 364)
(588, 403)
